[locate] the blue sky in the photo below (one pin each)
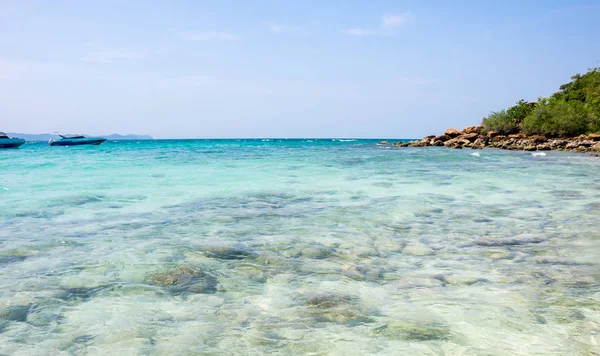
(282, 68)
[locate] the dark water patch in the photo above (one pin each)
(482, 220)
(227, 253)
(510, 241)
(83, 339)
(413, 331)
(567, 194)
(184, 280)
(11, 259)
(592, 207)
(39, 214)
(83, 293)
(336, 308)
(439, 198)
(383, 184)
(77, 200)
(16, 312)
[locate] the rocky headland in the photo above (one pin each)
(473, 137)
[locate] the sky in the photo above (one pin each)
(267, 68)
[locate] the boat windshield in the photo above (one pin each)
(3, 135)
(72, 136)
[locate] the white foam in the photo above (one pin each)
(538, 154)
(476, 154)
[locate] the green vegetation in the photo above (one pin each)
(572, 111)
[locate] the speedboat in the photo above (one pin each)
(7, 142)
(76, 140)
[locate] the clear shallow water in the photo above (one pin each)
(297, 247)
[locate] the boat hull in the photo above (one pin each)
(94, 141)
(11, 143)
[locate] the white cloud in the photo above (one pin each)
(394, 21)
(361, 32)
(387, 27)
(112, 55)
(279, 29)
(209, 36)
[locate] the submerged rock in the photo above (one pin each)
(227, 253)
(17, 254)
(16, 312)
(184, 279)
(336, 309)
(417, 248)
(83, 293)
(413, 330)
(510, 241)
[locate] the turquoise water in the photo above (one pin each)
(313, 247)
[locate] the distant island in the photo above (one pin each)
(567, 120)
(46, 137)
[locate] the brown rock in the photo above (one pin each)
(479, 143)
(543, 147)
(538, 139)
(498, 138)
(596, 147)
(558, 143)
(438, 143)
(428, 138)
(472, 129)
(457, 143)
(580, 144)
(383, 143)
(594, 137)
(517, 136)
(529, 148)
(452, 132)
(442, 138)
(492, 134)
(469, 137)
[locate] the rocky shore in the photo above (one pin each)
(474, 137)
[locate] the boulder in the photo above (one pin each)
(544, 147)
(577, 144)
(596, 147)
(471, 137)
(538, 139)
(442, 138)
(438, 143)
(517, 136)
(492, 134)
(594, 137)
(472, 129)
(383, 143)
(479, 143)
(558, 143)
(498, 138)
(586, 143)
(530, 148)
(457, 143)
(452, 132)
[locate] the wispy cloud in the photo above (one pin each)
(23, 70)
(112, 55)
(209, 36)
(394, 21)
(280, 29)
(361, 32)
(388, 26)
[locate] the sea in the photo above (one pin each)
(297, 247)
